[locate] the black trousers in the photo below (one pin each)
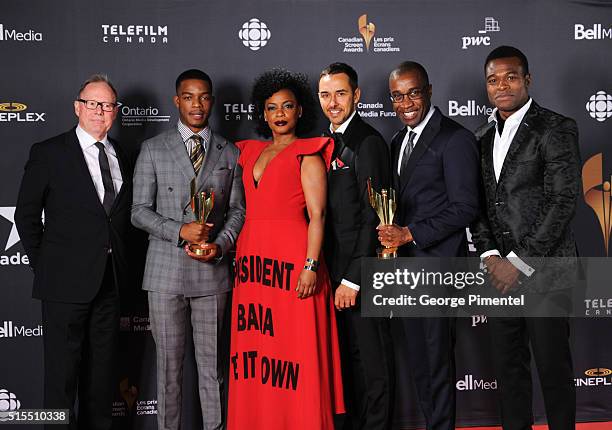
(367, 371)
(79, 346)
(431, 358)
(549, 340)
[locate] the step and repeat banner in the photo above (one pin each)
(48, 48)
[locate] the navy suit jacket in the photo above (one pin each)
(438, 190)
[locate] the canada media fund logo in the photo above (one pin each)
(368, 42)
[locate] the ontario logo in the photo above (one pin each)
(16, 112)
(368, 42)
(596, 192)
(491, 25)
(10, 34)
(134, 33)
(135, 116)
(254, 34)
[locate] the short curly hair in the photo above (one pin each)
(275, 80)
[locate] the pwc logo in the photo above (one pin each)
(16, 112)
(491, 25)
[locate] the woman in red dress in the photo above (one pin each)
(284, 358)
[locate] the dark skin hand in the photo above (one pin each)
(194, 232)
(208, 257)
(502, 273)
(393, 235)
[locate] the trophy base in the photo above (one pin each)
(386, 253)
(201, 249)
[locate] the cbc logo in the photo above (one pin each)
(599, 106)
(8, 403)
(254, 34)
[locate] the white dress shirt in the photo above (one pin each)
(342, 129)
(501, 146)
(418, 130)
(91, 152)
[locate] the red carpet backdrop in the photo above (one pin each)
(48, 48)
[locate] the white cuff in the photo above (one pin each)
(350, 285)
(520, 264)
(489, 253)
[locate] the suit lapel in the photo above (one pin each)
(519, 138)
(178, 152)
(124, 173)
(213, 152)
(86, 183)
(396, 146)
(427, 136)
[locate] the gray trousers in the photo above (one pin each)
(168, 315)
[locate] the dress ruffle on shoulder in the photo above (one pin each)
(314, 145)
(247, 147)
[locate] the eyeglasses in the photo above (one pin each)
(413, 94)
(93, 105)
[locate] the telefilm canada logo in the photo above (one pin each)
(368, 41)
(8, 403)
(597, 376)
(470, 383)
(136, 116)
(17, 112)
(8, 34)
(7, 216)
(594, 32)
(8, 329)
(599, 106)
(468, 108)
(238, 111)
(134, 33)
(491, 25)
(254, 34)
(597, 194)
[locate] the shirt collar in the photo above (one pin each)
(86, 140)
(186, 132)
(344, 125)
(516, 117)
(419, 128)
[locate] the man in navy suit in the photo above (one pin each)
(435, 168)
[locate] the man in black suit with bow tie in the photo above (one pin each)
(435, 169)
(360, 153)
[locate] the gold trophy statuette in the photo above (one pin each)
(201, 204)
(385, 204)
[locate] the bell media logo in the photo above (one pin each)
(8, 404)
(599, 106)
(467, 109)
(596, 190)
(595, 32)
(134, 33)
(10, 34)
(367, 42)
(134, 116)
(254, 34)
(10, 329)
(491, 25)
(15, 112)
(469, 383)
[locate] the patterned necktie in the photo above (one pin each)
(197, 152)
(407, 151)
(107, 180)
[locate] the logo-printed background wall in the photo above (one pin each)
(49, 48)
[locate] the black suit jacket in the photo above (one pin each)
(438, 189)
(530, 208)
(351, 221)
(69, 251)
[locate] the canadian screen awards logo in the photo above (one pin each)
(8, 404)
(11, 34)
(134, 33)
(368, 42)
(599, 106)
(16, 112)
(254, 34)
(597, 194)
(491, 25)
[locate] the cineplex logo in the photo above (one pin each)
(470, 108)
(132, 116)
(10, 34)
(491, 25)
(15, 112)
(119, 33)
(469, 383)
(9, 329)
(595, 32)
(8, 403)
(598, 376)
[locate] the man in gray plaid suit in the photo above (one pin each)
(181, 284)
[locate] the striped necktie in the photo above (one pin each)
(197, 152)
